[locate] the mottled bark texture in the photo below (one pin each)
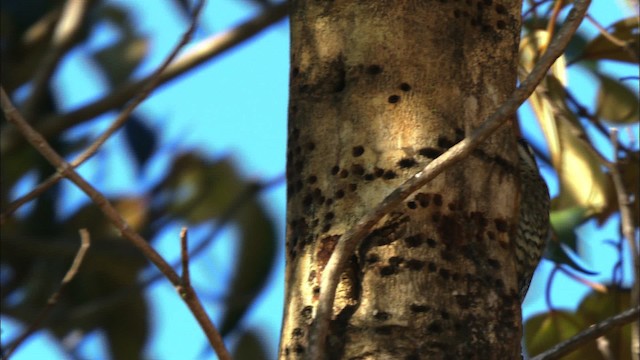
(377, 90)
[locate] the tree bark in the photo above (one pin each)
(377, 90)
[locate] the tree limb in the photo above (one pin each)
(350, 240)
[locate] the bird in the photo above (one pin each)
(533, 228)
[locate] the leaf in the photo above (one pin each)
(563, 246)
(616, 103)
(564, 223)
(530, 48)
(140, 138)
(254, 263)
(625, 30)
(545, 330)
(597, 307)
(119, 60)
(559, 254)
(199, 190)
(582, 180)
(250, 347)
(127, 329)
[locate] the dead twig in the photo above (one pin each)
(350, 240)
(85, 242)
(184, 255)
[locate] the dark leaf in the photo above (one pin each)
(250, 347)
(256, 257)
(140, 138)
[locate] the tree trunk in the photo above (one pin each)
(377, 90)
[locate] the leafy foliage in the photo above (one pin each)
(579, 151)
(39, 243)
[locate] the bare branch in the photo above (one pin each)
(589, 334)
(184, 255)
(41, 145)
(350, 240)
(199, 54)
(53, 299)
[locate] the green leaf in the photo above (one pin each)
(565, 221)
(545, 330)
(255, 260)
(199, 190)
(602, 48)
(617, 103)
(250, 347)
(127, 329)
(119, 60)
(564, 242)
(598, 306)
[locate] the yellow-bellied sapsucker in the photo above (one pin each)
(533, 227)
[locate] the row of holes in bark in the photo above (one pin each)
(397, 263)
(476, 17)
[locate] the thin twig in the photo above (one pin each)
(350, 240)
(533, 7)
(41, 145)
(582, 111)
(628, 231)
(85, 241)
(595, 286)
(589, 334)
(148, 86)
(221, 223)
(64, 36)
(551, 25)
(199, 54)
(625, 45)
(614, 40)
(547, 289)
(184, 256)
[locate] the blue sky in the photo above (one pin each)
(235, 106)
